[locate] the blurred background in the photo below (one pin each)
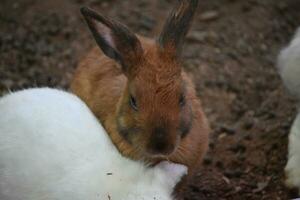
(230, 52)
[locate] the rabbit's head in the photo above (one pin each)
(154, 113)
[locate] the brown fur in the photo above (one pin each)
(168, 121)
(99, 81)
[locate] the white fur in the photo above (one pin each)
(289, 69)
(53, 148)
(289, 65)
(292, 169)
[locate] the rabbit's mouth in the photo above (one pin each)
(157, 156)
(153, 160)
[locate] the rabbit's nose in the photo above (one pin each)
(160, 143)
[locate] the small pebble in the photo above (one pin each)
(209, 15)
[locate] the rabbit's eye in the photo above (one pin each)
(132, 102)
(182, 100)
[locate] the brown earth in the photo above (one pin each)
(230, 51)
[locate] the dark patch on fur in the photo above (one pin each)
(126, 132)
(159, 141)
(159, 136)
(186, 124)
(177, 25)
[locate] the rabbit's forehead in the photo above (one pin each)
(158, 79)
(159, 63)
(158, 86)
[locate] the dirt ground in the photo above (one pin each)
(230, 51)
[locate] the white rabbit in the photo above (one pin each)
(289, 65)
(289, 69)
(292, 169)
(53, 148)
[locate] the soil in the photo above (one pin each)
(230, 52)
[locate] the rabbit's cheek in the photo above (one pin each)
(127, 131)
(186, 122)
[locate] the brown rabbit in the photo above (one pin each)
(140, 93)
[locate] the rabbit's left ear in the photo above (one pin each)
(177, 26)
(114, 39)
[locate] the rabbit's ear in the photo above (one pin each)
(177, 25)
(115, 39)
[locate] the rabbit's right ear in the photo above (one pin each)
(115, 39)
(177, 26)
